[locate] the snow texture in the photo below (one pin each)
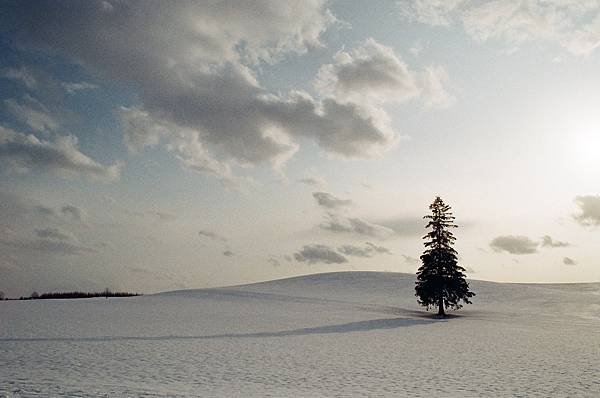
(336, 334)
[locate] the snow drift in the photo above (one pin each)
(335, 334)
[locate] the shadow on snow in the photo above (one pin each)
(360, 326)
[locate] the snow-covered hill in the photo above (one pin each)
(334, 334)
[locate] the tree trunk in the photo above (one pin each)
(441, 307)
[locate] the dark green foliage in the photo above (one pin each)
(440, 280)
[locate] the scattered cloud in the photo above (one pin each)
(73, 88)
(569, 261)
(514, 244)
(573, 25)
(353, 225)
(72, 212)
(43, 94)
(369, 250)
(318, 253)
(204, 55)
(356, 251)
(431, 12)
(17, 240)
(405, 226)
(211, 235)
(589, 206)
(547, 241)
(371, 73)
(21, 153)
(328, 201)
(336, 222)
(33, 114)
(54, 234)
(434, 83)
(47, 241)
(377, 249)
(367, 228)
(141, 129)
(274, 262)
(313, 181)
(19, 210)
(48, 246)
(64, 213)
(22, 75)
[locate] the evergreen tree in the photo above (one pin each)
(440, 280)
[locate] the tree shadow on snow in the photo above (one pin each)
(360, 326)
(434, 315)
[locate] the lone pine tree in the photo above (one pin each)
(440, 280)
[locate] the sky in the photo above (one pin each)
(149, 146)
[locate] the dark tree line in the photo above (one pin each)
(75, 295)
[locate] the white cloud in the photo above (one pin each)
(572, 24)
(569, 261)
(369, 73)
(21, 152)
(431, 12)
(357, 226)
(17, 241)
(434, 83)
(589, 206)
(337, 222)
(547, 241)
(22, 75)
(274, 262)
(367, 228)
(317, 253)
(141, 129)
(16, 208)
(585, 40)
(73, 212)
(405, 226)
(73, 88)
(514, 21)
(514, 244)
(191, 63)
(369, 250)
(329, 201)
(372, 74)
(46, 246)
(33, 114)
(173, 35)
(211, 235)
(69, 213)
(55, 234)
(313, 181)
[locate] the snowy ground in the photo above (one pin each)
(337, 334)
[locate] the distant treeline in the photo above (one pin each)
(74, 295)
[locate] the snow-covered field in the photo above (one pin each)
(337, 334)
